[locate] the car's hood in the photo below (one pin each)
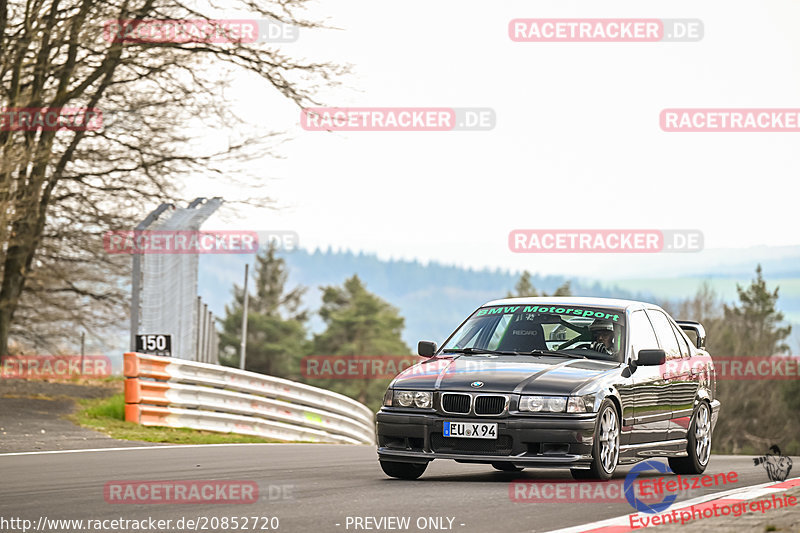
(519, 374)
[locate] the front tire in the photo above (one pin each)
(605, 449)
(699, 446)
(403, 470)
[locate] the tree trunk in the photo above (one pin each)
(15, 268)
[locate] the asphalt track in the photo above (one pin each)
(315, 488)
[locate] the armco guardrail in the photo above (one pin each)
(161, 391)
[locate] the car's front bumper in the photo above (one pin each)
(548, 441)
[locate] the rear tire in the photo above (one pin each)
(699, 445)
(403, 470)
(506, 467)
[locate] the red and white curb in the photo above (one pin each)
(622, 524)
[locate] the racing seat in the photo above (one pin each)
(523, 336)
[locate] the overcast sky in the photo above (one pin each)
(577, 142)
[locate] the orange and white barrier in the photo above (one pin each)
(160, 391)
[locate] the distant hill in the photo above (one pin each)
(433, 298)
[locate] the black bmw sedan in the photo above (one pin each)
(579, 383)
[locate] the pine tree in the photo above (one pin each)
(524, 288)
(276, 326)
(758, 316)
(358, 323)
(562, 290)
(755, 414)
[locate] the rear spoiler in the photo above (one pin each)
(695, 331)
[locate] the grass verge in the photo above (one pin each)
(107, 415)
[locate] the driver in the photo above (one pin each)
(602, 336)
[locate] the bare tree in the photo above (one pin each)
(60, 190)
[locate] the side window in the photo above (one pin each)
(641, 333)
(665, 334)
(684, 345)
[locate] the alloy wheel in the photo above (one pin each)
(609, 440)
(702, 434)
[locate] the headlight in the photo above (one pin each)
(407, 398)
(581, 404)
(543, 404)
(387, 398)
(423, 400)
(404, 398)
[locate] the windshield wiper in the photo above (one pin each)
(554, 352)
(469, 351)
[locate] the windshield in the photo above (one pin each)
(588, 331)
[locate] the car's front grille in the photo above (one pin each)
(490, 405)
(500, 446)
(456, 403)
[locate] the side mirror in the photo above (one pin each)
(695, 331)
(651, 357)
(426, 348)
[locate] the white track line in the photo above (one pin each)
(168, 447)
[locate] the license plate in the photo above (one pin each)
(468, 430)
